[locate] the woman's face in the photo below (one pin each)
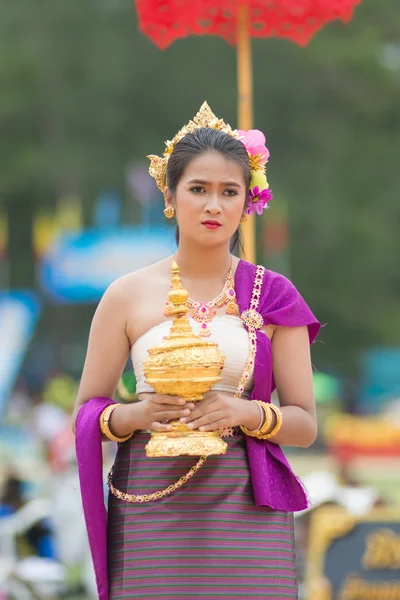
(209, 199)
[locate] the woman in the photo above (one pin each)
(227, 532)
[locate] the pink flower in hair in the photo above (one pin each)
(258, 200)
(254, 142)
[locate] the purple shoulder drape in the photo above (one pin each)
(274, 483)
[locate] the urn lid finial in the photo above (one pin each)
(177, 295)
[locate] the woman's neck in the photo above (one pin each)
(202, 262)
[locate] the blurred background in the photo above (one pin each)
(84, 97)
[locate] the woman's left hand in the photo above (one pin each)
(218, 410)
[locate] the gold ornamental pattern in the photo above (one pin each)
(196, 444)
(204, 118)
(183, 365)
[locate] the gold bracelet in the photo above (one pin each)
(265, 423)
(278, 425)
(105, 428)
(262, 419)
(268, 419)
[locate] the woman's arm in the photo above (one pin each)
(107, 353)
(108, 346)
(293, 378)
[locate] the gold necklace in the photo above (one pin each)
(204, 312)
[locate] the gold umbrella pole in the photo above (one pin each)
(245, 110)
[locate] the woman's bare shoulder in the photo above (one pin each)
(133, 290)
(132, 284)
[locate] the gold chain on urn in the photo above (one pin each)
(140, 498)
(187, 366)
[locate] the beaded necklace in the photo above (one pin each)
(204, 312)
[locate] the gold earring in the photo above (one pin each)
(169, 212)
(243, 218)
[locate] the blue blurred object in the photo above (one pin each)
(41, 537)
(19, 443)
(19, 313)
(380, 378)
(108, 210)
(80, 267)
(6, 510)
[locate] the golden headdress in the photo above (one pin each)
(253, 141)
(204, 118)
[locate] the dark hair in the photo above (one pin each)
(203, 140)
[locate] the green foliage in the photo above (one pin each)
(83, 93)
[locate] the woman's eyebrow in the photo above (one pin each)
(204, 182)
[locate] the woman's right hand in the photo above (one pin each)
(153, 411)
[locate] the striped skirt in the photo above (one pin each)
(207, 540)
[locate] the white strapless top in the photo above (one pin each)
(227, 331)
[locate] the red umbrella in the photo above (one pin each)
(236, 21)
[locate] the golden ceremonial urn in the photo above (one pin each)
(183, 365)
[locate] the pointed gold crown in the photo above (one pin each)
(204, 118)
